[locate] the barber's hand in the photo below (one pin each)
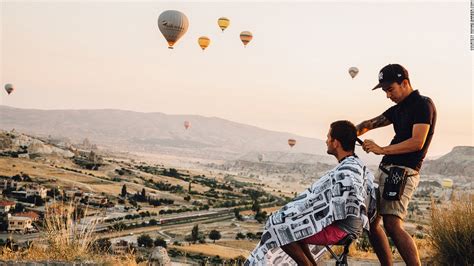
(370, 146)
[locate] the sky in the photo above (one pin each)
(291, 77)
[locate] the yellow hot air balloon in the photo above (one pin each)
(204, 42)
(447, 183)
(9, 88)
(291, 142)
(187, 124)
(173, 25)
(353, 71)
(246, 37)
(223, 23)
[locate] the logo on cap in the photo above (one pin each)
(380, 75)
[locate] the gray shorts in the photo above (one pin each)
(396, 207)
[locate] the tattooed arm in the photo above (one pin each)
(379, 121)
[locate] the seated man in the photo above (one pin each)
(334, 206)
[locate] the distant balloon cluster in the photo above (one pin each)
(174, 24)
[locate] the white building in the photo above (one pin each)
(19, 224)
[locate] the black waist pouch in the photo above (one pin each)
(394, 183)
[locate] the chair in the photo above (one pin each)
(341, 260)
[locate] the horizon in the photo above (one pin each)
(370, 157)
(70, 56)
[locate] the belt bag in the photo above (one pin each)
(395, 182)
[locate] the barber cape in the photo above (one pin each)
(344, 191)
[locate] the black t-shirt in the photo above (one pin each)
(414, 109)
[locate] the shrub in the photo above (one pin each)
(452, 231)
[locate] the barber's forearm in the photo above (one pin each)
(379, 121)
(409, 145)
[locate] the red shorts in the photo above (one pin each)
(330, 235)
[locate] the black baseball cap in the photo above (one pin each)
(391, 73)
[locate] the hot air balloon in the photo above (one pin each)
(223, 23)
(173, 25)
(291, 142)
(260, 157)
(447, 183)
(353, 71)
(187, 124)
(204, 42)
(246, 37)
(9, 88)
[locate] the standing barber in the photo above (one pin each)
(414, 119)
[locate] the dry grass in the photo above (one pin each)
(452, 231)
(65, 240)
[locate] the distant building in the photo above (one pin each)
(19, 194)
(24, 155)
(30, 214)
(6, 206)
(97, 200)
(37, 191)
(73, 194)
(19, 224)
(122, 247)
(6, 184)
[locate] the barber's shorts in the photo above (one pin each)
(396, 207)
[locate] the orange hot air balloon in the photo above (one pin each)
(204, 42)
(291, 142)
(246, 37)
(223, 23)
(187, 124)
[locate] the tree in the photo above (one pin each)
(143, 194)
(239, 236)
(124, 191)
(145, 241)
(214, 235)
(256, 206)
(173, 172)
(160, 242)
(19, 207)
(153, 222)
(261, 216)
(237, 214)
(195, 233)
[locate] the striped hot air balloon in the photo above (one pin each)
(246, 37)
(173, 25)
(223, 23)
(204, 42)
(291, 142)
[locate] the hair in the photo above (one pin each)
(345, 132)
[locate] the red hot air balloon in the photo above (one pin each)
(187, 124)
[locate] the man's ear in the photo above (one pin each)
(405, 83)
(337, 143)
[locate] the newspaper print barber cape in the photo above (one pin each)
(344, 191)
